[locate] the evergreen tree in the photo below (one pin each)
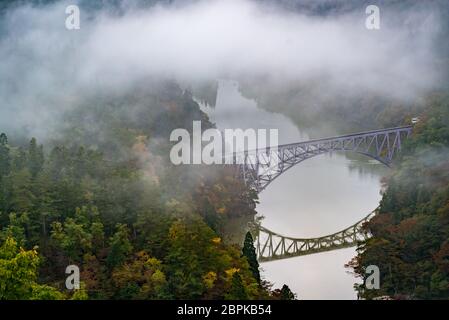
(121, 246)
(5, 166)
(5, 159)
(3, 139)
(249, 251)
(19, 161)
(237, 291)
(21, 197)
(286, 293)
(35, 158)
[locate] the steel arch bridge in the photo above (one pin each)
(260, 167)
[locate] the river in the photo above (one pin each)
(317, 197)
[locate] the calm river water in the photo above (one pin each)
(319, 196)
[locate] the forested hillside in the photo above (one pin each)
(90, 92)
(410, 243)
(105, 197)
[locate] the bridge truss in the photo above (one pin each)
(262, 166)
(271, 246)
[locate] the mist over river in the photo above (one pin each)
(317, 197)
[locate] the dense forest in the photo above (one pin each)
(410, 243)
(85, 175)
(107, 199)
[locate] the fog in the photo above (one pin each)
(322, 48)
(46, 69)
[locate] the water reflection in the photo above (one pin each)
(319, 196)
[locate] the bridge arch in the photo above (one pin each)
(380, 160)
(258, 172)
(272, 246)
(260, 167)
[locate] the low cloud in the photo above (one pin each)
(46, 69)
